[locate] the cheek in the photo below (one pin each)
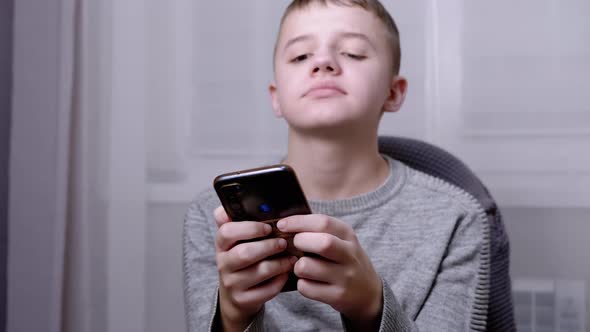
(286, 95)
(375, 92)
(288, 89)
(381, 86)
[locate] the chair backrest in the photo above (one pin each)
(437, 162)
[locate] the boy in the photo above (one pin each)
(395, 249)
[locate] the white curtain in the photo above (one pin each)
(79, 167)
(104, 274)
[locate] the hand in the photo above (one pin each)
(341, 274)
(247, 277)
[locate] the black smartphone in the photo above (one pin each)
(265, 194)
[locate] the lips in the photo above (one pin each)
(323, 90)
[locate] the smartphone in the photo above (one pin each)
(265, 194)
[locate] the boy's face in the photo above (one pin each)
(333, 69)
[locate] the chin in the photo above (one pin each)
(328, 111)
(325, 125)
(326, 114)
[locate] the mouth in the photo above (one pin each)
(324, 90)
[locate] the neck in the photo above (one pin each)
(330, 168)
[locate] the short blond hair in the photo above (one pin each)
(373, 6)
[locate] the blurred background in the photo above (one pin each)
(114, 114)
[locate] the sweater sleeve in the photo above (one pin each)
(201, 285)
(458, 296)
(200, 272)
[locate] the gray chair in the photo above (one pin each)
(437, 162)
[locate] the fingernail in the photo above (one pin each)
(282, 224)
(267, 228)
(282, 243)
(293, 260)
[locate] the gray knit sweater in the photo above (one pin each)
(428, 240)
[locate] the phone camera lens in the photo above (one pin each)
(232, 190)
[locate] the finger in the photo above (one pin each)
(325, 245)
(260, 272)
(319, 291)
(317, 223)
(220, 216)
(317, 269)
(263, 292)
(230, 233)
(248, 253)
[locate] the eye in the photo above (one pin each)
(300, 58)
(354, 56)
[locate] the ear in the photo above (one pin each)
(397, 94)
(274, 98)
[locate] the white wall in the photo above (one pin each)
(164, 282)
(550, 244)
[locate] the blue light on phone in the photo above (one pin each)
(264, 208)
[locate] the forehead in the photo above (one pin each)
(319, 21)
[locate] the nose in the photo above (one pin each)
(325, 64)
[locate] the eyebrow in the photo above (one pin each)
(296, 40)
(347, 35)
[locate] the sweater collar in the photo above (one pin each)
(383, 194)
